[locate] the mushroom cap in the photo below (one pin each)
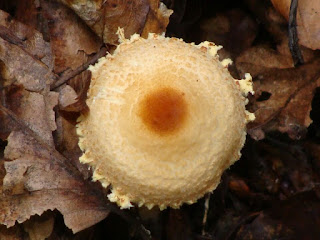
(166, 119)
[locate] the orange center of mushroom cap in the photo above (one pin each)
(164, 110)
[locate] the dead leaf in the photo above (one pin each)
(258, 59)
(308, 18)
(157, 18)
(67, 96)
(38, 179)
(28, 12)
(105, 17)
(39, 227)
(66, 140)
(283, 94)
(71, 40)
(81, 85)
(26, 57)
(27, 38)
(13, 233)
(28, 71)
(36, 110)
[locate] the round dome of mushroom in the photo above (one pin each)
(166, 119)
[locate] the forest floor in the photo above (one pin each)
(272, 192)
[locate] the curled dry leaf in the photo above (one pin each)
(308, 18)
(283, 94)
(137, 16)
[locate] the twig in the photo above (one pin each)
(293, 35)
(7, 35)
(205, 214)
(65, 77)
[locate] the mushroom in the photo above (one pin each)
(166, 119)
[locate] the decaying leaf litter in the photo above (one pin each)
(45, 46)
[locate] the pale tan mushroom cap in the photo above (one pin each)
(166, 119)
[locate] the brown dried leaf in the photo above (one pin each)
(66, 140)
(157, 18)
(26, 37)
(7, 124)
(67, 96)
(283, 94)
(28, 71)
(130, 15)
(33, 108)
(39, 179)
(26, 57)
(308, 18)
(73, 101)
(71, 40)
(136, 16)
(258, 59)
(27, 11)
(36, 110)
(81, 85)
(39, 227)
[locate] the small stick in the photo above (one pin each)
(293, 35)
(205, 214)
(7, 35)
(66, 77)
